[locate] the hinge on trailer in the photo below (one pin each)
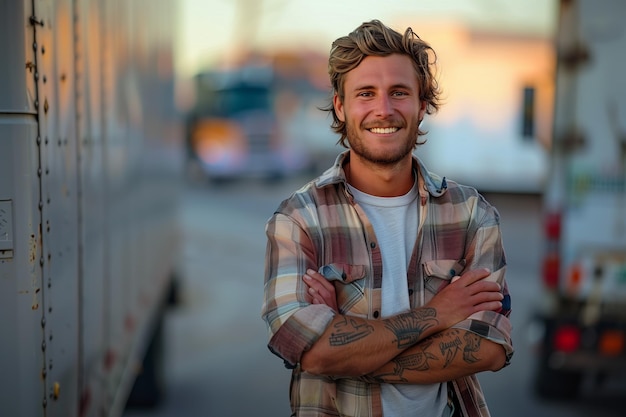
(33, 21)
(570, 142)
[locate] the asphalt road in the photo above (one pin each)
(217, 361)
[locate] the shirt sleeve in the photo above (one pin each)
(294, 325)
(493, 325)
(485, 250)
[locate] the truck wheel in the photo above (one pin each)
(149, 386)
(557, 384)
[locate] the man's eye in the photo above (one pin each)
(399, 93)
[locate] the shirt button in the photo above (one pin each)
(376, 314)
(373, 245)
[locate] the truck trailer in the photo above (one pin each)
(582, 317)
(90, 163)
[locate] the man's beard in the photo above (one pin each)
(388, 158)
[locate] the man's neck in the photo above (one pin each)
(382, 181)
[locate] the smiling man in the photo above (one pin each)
(385, 288)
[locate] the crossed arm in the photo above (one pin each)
(416, 347)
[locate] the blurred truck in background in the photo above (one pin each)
(91, 158)
(583, 316)
(234, 129)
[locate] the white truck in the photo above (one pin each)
(90, 161)
(583, 316)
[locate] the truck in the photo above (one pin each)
(90, 166)
(582, 315)
(234, 129)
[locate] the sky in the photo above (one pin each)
(209, 29)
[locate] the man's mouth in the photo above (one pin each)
(383, 130)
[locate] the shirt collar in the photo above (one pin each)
(429, 183)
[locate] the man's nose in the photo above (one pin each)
(384, 106)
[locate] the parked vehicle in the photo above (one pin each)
(234, 132)
(90, 162)
(583, 315)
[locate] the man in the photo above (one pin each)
(384, 283)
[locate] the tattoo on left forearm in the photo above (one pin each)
(414, 362)
(449, 344)
(449, 349)
(452, 347)
(472, 345)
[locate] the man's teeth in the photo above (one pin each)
(384, 130)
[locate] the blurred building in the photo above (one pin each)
(493, 130)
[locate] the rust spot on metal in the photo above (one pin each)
(109, 360)
(32, 249)
(56, 390)
(85, 402)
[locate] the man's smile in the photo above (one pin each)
(384, 130)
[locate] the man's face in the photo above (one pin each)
(381, 108)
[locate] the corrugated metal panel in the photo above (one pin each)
(90, 159)
(21, 301)
(59, 226)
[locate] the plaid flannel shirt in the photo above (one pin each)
(321, 226)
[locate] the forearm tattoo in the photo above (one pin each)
(409, 327)
(452, 347)
(448, 344)
(414, 362)
(348, 331)
(472, 345)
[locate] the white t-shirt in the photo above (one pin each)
(395, 222)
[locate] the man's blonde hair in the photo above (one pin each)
(373, 38)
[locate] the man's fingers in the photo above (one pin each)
(319, 279)
(473, 276)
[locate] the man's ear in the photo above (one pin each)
(337, 103)
(422, 111)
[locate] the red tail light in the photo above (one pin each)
(551, 268)
(567, 339)
(552, 226)
(552, 260)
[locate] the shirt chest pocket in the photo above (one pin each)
(349, 282)
(439, 272)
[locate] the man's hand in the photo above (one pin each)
(465, 295)
(320, 291)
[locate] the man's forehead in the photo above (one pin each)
(378, 71)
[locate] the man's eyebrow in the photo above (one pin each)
(364, 87)
(393, 87)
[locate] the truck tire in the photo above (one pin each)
(149, 386)
(557, 384)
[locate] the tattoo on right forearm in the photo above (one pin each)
(409, 327)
